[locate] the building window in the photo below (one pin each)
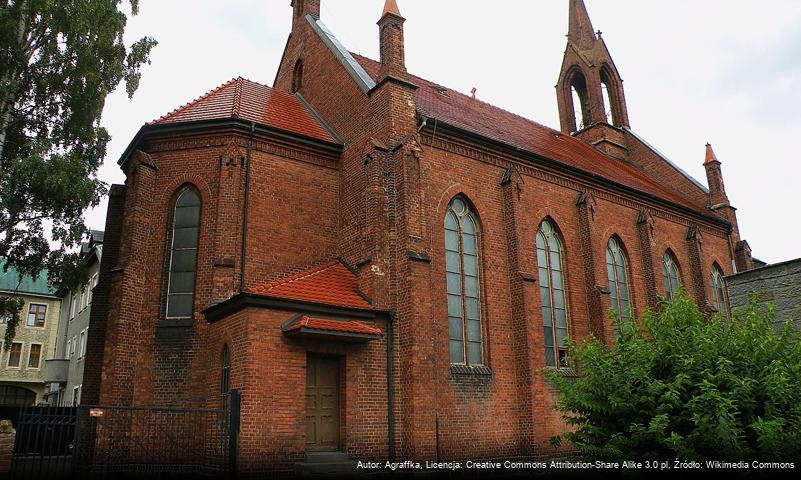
(462, 279)
(35, 355)
(76, 396)
(297, 76)
(73, 305)
(15, 355)
(183, 257)
(92, 284)
(67, 353)
(719, 290)
(670, 275)
(617, 269)
(226, 371)
(72, 346)
(82, 351)
(552, 294)
(36, 315)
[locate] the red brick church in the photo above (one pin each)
(383, 266)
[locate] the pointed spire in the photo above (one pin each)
(390, 27)
(391, 6)
(710, 154)
(580, 29)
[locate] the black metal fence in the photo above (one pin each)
(104, 441)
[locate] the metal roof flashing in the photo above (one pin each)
(365, 82)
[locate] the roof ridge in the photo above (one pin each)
(416, 77)
(195, 101)
(237, 103)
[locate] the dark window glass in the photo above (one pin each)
(552, 294)
(670, 275)
(15, 354)
(719, 290)
(617, 270)
(35, 356)
(463, 288)
(225, 374)
(183, 255)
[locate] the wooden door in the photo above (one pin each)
(322, 404)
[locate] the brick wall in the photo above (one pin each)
(778, 285)
(380, 205)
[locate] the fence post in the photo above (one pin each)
(233, 432)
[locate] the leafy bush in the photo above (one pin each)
(678, 384)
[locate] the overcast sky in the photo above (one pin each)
(723, 71)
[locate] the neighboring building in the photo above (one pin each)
(289, 241)
(778, 284)
(64, 371)
(21, 379)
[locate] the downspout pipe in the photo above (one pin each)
(390, 389)
(245, 207)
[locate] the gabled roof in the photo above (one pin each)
(253, 102)
(329, 284)
(480, 118)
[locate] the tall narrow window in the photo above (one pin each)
(297, 76)
(225, 373)
(183, 258)
(35, 355)
(719, 290)
(461, 266)
(670, 275)
(552, 294)
(14, 355)
(617, 269)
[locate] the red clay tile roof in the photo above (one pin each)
(341, 326)
(481, 118)
(253, 102)
(329, 284)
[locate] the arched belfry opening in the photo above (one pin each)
(611, 90)
(581, 116)
(590, 90)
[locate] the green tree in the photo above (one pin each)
(679, 384)
(59, 59)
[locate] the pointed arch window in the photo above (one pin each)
(550, 264)
(462, 278)
(183, 255)
(719, 290)
(670, 275)
(297, 76)
(225, 373)
(617, 269)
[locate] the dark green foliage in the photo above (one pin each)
(679, 384)
(59, 59)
